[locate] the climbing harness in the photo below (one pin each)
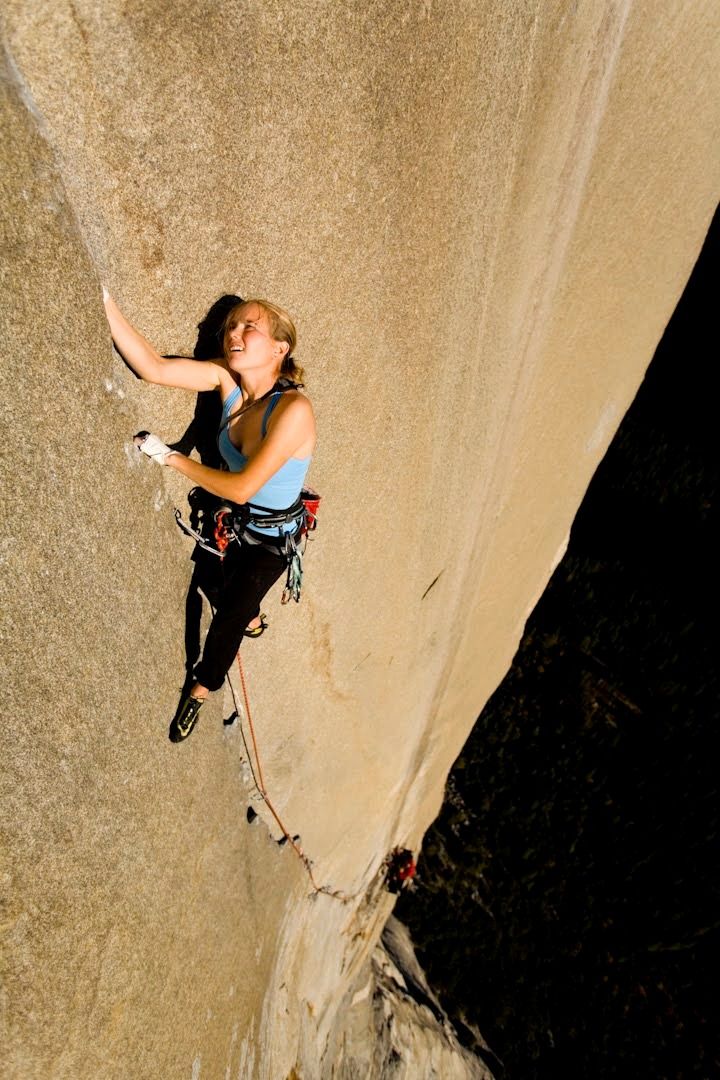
(244, 524)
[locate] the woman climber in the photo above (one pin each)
(267, 451)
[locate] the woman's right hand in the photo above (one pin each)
(154, 447)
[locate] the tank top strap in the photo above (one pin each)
(231, 399)
(271, 405)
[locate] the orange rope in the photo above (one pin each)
(259, 779)
(261, 785)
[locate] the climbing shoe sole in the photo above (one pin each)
(186, 718)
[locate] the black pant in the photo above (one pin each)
(246, 574)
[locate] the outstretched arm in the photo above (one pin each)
(147, 362)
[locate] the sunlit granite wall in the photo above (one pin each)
(481, 216)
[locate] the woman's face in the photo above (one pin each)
(249, 342)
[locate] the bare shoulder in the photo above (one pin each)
(298, 396)
(297, 405)
(293, 424)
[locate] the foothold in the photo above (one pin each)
(111, 388)
(251, 815)
(231, 718)
(133, 458)
(284, 839)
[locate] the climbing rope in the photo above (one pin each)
(260, 782)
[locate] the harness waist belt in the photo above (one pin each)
(263, 517)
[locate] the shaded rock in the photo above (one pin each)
(394, 1026)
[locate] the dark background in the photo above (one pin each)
(568, 903)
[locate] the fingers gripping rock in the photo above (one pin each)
(152, 446)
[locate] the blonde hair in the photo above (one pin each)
(282, 328)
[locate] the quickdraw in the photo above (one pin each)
(197, 537)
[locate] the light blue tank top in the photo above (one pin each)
(283, 488)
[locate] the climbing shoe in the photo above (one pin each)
(256, 631)
(185, 718)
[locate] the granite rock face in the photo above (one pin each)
(394, 1026)
(481, 217)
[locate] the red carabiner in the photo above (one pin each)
(223, 533)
